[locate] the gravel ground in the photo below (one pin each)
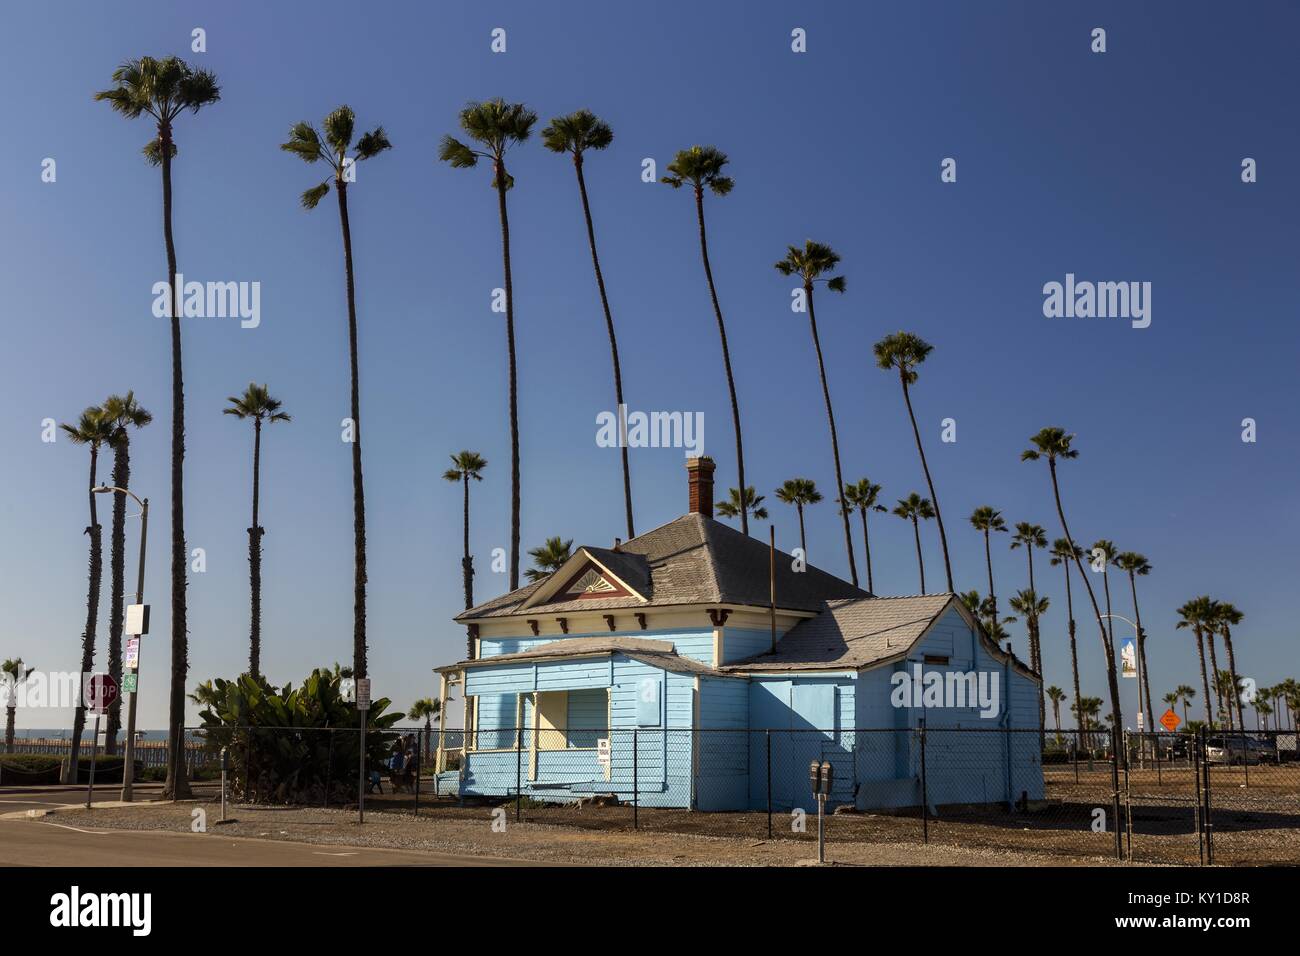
(542, 842)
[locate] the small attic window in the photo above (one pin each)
(940, 659)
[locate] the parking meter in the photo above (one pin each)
(225, 765)
(815, 776)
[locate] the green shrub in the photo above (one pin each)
(29, 769)
(288, 745)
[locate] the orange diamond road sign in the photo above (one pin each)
(1169, 720)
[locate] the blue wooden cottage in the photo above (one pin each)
(652, 667)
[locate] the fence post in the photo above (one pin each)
(419, 766)
(636, 789)
(769, 783)
(1117, 825)
(329, 767)
(1194, 756)
(1207, 816)
(925, 791)
(519, 773)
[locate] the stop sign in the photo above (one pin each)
(100, 691)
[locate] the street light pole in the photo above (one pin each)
(128, 766)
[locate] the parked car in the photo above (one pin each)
(1230, 749)
(1266, 747)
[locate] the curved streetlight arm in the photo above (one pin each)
(113, 489)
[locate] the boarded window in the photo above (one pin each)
(939, 659)
(571, 719)
(649, 695)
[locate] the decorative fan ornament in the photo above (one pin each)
(592, 583)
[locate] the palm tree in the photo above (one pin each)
(1263, 709)
(1029, 536)
(549, 558)
(1055, 445)
(14, 674)
(1210, 623)
(1171, 700)
(426, 708)
(1227, 616)
(336, 151)
(1135, 565)
(987, 519)
(904, 351)
(466, 466)
(811, 264)
(736, 507)
(1032, 607)
(1085, 712)
(1195, 614)
(164, 89)
(1184, 693)
(799, 492)
(701, 167)
(205, 695)
(256, 403)
(862, 496)
(94, 430)
(1056, 695)
(495, 126)
(575, 134)
(914, 508)
(1108, 553)
(122, 413)
(1064, 553)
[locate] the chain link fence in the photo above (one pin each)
(1227, 798)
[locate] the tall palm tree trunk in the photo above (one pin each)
(1214, 671)
(177, 785)
(803, 545)
(514, 394)
(938, 515)
(467, 561)
(866, 542)
(1142, 651)
(920, 562)
(358, 485)
(1107, 648)
(988, 561)
(1205, 680)
(613, 342)
(726, 358)
(1074, 644)
(835, 442)
(96, 569)
(117, 578)
(11, 713)
(255, 561)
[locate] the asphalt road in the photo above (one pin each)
(28, 798)
(40, 843)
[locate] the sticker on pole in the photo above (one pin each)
(100, 692)
(131, 656)
(602, 752)
(1169, 720)
(363, 693)
(1128, 657)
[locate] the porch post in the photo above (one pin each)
(438, 764)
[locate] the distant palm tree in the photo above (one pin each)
(1185, 693)
(1136, 565)
(1064, 553)
(1029, 536)
(575, 134)
(164, 89)
(1195, 614)
(862, 496)
(93, 430)
(14, 673)
(987, 519)
(904, 351)
(700, 167)
(1054, 444)
(1263, 710)
(466, 466)
(256, 403)
(914, 508)
(205, 695)
(426, 708)
(549, 558)
(1226, 616)
(734, 507)
(799, 492)
(811, 264)
(1056, 695)
(1086, 711)
(123, 414)
(496, 125)
(1108, 554)
(1032, 607)
(336, 151)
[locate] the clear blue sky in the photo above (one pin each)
(1122, 166)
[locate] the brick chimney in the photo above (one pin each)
(699, 473)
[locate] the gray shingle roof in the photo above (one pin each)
(692, 560)
(657, 653)
(851, 634)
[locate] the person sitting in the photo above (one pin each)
(397, 770)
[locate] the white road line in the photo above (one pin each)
(319, 853)
(64, 826)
